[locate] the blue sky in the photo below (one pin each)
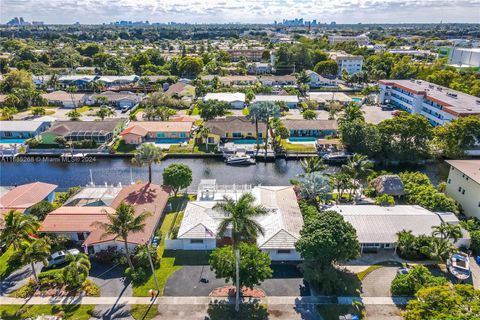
(247, 11)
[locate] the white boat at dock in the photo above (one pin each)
(240, 159)
(459, 265)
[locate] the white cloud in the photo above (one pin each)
(251, 11)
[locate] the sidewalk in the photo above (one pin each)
(295, 300)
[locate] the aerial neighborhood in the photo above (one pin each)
(295, 170)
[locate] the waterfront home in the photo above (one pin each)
(181, 90)
(311, 128)
(323, 98)
(233, 128)
(317, 81)
(118, 99)
(348, 62)
(157, 131)
(377, 226)
(199, 226)
(21, 129)
(82, 82)
(41, 80)
(77, 222)
(98, 131)
(463, 185)
(236, 100)
(118, 81)
(65, 99)
(23, 197)
(277, 81)
(290, 100)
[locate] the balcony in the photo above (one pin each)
(403, 95)
(405, 105)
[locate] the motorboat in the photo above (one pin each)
(240, 159)
(459, 265)
(337, 157)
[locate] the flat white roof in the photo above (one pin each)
(291, 99)
(20, 125)
(225, 96)
(378, 224)
(328, 96)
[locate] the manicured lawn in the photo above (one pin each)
(121, 147)
(362, 274)
(77, 312)
(84, 109)
(144, 311)
(195, 112)
(167, 267)
(7, 265)
(298, 147)
(199, 148)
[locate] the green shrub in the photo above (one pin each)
(385, 200)
(91, 289)
(417, 278)
(51, 278)
(475, 241)
(140, 259)
(26, 291)
(136, 276)
(369, 192)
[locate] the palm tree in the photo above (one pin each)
(147, 154)
(263, 112)
(203, 133)
(77, 270)
(312, 164)
(340, 181)
(72, 90)
(351, 112)
(358, 168)
(121, 223)
(438, 250)
(104, 113)
(447, 231)
(36, 251)
(240, 220)
(17, 227)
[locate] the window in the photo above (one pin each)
(8, 134)
(193, 241)
(449, 181)
(183, 135)
(284, 251)
(237, 134)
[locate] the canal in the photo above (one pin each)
(114, 171)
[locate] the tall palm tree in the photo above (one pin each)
(203, 133)
(121, 223)
(77, 270)
(438, 250)
(104, 113)
(72, 90)
(447, 231)
(17, 227)
(240, 222)
(351, 112)
(147, 154)
(312, 164)
(358, 168)
(263, 112)
(35, 251)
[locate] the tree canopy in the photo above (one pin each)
(177, 176)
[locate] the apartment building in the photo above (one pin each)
(348, 62)
(251, 54)
(438, 104)
(360, 40)
(463, 185)
(464, 57)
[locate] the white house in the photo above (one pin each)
(377, 226)
(463, 185)
(290, 100)
(236, 99)
(317, 81)
(348, 62)
(199, 227)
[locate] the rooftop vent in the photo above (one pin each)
(439, 88)
(419, 82)
(451, 94)
(431, 86)
(478, 101)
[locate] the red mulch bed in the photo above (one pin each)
(229, 291)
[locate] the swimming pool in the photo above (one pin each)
(170, 141)
(12, 141)
(357, 100)
(302, 139)
(247, 141)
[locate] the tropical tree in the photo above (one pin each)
(73, 115)
(438, 250)
(340, 181)
(263, 112)
(240, 222)
(72, 90)
(350, 113)
(313, 185)
(17, 227)
(309, 115)
(123, 222)
(104, 113)
(312, 164)
(358, 168)
(76, 272)
(147, 154)
(203, 133)
(37, 250)
(8, 112)
(38, 111)
(447, 231)
(177, 176)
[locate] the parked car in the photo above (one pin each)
(403, 270)
(155, 241)
(59, 257)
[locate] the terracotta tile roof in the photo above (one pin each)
(144, 197)
(74, 219)
(26, 195)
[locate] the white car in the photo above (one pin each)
(59, 257)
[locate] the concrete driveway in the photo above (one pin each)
(18, 278)
(375, 115)
(377, 283)
(286, 281)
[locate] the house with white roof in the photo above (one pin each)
(317, 81)
(235, 99)
(22, 129)
(115, 81)
(377, 226)
(290, 100)
(199, 227)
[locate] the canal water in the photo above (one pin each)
(117, 170)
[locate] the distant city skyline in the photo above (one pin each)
(246, 11)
